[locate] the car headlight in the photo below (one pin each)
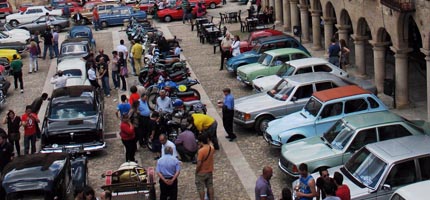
(242, 115)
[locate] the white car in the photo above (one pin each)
(11, 31)
(75, 69)
(9, 38)
(415, 191)
(30, 14)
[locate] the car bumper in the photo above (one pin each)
(87, 147)
(229, 68)
(243, 80)
(269, 140)
(285, 170)
(246, 124)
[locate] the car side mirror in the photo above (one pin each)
(386, 187)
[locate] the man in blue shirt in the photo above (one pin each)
(123, 107)
(333, 52)
(168, 169)
(143, 132)
(228, 113)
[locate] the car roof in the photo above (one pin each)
(307, 78)
(275, 37)
(371, 119)
(307, 62)
(121, 7)
(402, 148)
(72, 91)
(72, 63)
(282, 51)
(339, 92)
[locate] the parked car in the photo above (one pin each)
(116, 16)
(57, 22)
(344, 138)
(322, 110)
(74, 68)
(10, 30)
(74, 119)
(30, 14)
(44, 176)
(263, 45)
(74, 47)
(378, 169)
(5, 9)
(82, 32)
(8, 54)
(288, 96)
(17, 42)
(208, 3)
(175, 13)
(102, 8)
(73, 6)
(414, 191)
(300, 66)
(254, 36)
(268, 64)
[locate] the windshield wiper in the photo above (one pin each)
(303, 115)
(325, 142)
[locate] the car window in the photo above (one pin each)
(73, 109)
(100, 8)
(116, 12)
(402, 174)
(362, 138)
(74, 49)
(332, 110)
(3, 5)
(392, 131)
(325, 86)
(373, 103)
(281, 59)
(286, 70)
(313, 106)
(109, 6)
(124, 12)
(355, 105)
(72, 72)
(38, 10)
(265, 59)
(322, 68)
(41, 20)
(296, 56)
(425, 166)
(304, 92)
(304, 70)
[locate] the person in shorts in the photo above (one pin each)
(205, 167)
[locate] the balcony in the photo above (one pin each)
(400, 5)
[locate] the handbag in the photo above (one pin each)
(124, 71)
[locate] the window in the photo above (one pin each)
(304, 92)
(124, 12)
(355, 105)
(331, 110)
(322, 68)
(324, 86)
(298, 56)
(425, 166)
(392, 131)
(38, 11)
(402, 174)
(362, 138)
(280, 60)
(304, 70)
(373, 103)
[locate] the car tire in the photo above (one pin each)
(168, 18)
(261, 123)
(212, 5)
(104, 24)
(57, 28)
(14, 23)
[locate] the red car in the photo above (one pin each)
(73, 6)
(208, 3)
(170, 14)
(247, 45)
(5, 9)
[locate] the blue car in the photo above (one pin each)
(83, 32)
(117, 15)
(263, 44)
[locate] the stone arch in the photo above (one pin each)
(382, 35)
(316, 5)
(363, 28)
(345, 19)
(329, 11)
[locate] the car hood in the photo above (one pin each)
(72, 81)
(288, 122)
(19, 31)
(249, 68)
(255, 102)
(65, 126)
(306, 150)
(245, 55)
(266, 83)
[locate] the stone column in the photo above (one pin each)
(287, 15)
(328, 31)
(294, 13)
(360, 56)
(278, 11)
(401, 70)
(427, 53)
(272, 3)
(304, 13)
(316, 30)
(379, 50)
(343, 33)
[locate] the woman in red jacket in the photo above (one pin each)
(128, 138)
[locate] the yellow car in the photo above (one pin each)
(8, 54)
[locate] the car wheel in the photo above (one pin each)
(212, 5)
(167, 18)
(57, 28)
(14, 23)
(104, 24)
(262, 123)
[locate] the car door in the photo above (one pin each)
(328, 115)
(360, 139)
(399, 175)
(39, 25)
(276, 64)
(299, 97)
(124, 14)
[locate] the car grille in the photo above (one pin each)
(78, 138)
(241, 75)
(286, 164)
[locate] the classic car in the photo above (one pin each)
(146, 5)
(8, 54)
(17, 42)
(300, 66)
(74, 68)
(74, 119)
(175, 13)
(57, 22)
(322, 110)
(102, 8)
(268, 64)
(344, 138)
(44, 176)
(288, 96)
(414, 191)
(73, 6)
(116, 16)
(10, 30)
(82, 32)
(248, 44)
(378, 169)
(5, 9)
(208, 3)
(30, 14)
(74, 47)
(263, 45)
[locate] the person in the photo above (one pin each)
(224, 2)
(204, 168)
(330, 190)
(235, 46)
(167, 143)
(6, 150)
(16, 66)
(270, 15)
(77, 17)
(48, 19)
(225, 49)
(131, 59)
(137, 51)
(96, 19)
(258, 3)
(201, 10)
(250, 9)
(123, 107)
(28, 121)
(186, 145)
(164, 103)
(205, 124)
(115, 69)
(36, 39)
(123, 71)
(59, 80)
(143, 120)
(66, 11)
(160, 5)
(55, 36)
(102, 55)
(47, 43)
(228, 113)
(344, 53)
(177, 50)
(184, 8)
(263, 189)
(92, 77)
(306, 189)
(13, 124)
(324, 175)
(155, 132)
(37, 103)
(134, 96)
(168, 169)
(266, 14)
(128, 138)
(163, 46)
(106, 195)
(286, 194)
(89, 193)
(333, 52)
(342, 190)
(122, 48)
(189, 13)
(104, 74)
(33, 57)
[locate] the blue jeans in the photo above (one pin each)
(115, 78)
(132, 65)
(96, 25)
(55, 46)
(105, 85)
(45, 48)
(334, 60)
(30, 140)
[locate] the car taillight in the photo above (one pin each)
(295, 170)
(247, 116)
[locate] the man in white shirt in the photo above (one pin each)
(167, 143)
(122, 48)
(59, 80)
(164, 103)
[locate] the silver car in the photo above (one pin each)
(289, 95)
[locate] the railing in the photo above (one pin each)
(400, 5)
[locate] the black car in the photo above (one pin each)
(74, 47)
(44, 176)
(73, 120)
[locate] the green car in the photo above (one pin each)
(268, 64)
(344, 138)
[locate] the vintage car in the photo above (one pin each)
(74, 47)
(248, 44)
(44, 176)
(288, 96)
(30, 14)
(74, 119)
(208, 3)
(263, 45)
(322, 110)
(116, 16)
(268, 64)
(17, 42)
(8, 54)
(73, 6)
(175, 13)
(10, 30)
(57, 22)
(102, 8)
(414, 191)
(344, 138)
(82, 32)
(146, 5)
(300, 66)
(5, 9)
(378, 169)
(74, 68)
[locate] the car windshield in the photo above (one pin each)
(313, 106)
(339, 135)
(257, 47)
(281, 91)
(72, 49)
(3, 5)
(366, 167)
(7, 27)
(3, 35)
(265, 59)
(81, 34)
(285, 70)
(79, 107)
(73, 72)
